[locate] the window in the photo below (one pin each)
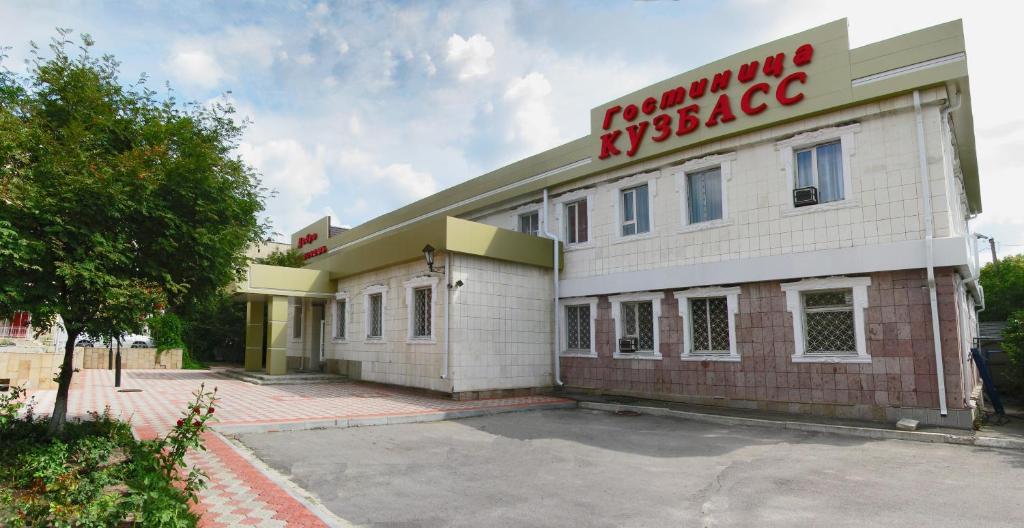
(821, 166)
(709, 323)
(704, 195)
(828, 319)
(577, 321)
(636, 318)
(340, 318)
(297, 320)
(375, 314)
(529, 223)
(422, 302)
(635, 211)
(576, 222)
(638, 324)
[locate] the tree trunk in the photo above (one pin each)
(60, 406)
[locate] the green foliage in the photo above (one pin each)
(1004, 288)
(114, 203)
(289, 259)
(96, 473)
(1013, 344)
(215, 329)
(166, 330)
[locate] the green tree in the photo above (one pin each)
(1004, 288)
(116, 203)
(289, 259)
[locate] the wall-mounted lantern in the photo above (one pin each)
(428, 254)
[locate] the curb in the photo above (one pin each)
(302, 496)
(343, 423)
(845, 430)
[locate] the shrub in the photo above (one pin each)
(1013, 344)
(166, 330)
(96, 473)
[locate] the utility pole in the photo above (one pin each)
(992, 246)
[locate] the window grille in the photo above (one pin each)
(577, 320)
(340, 309)
(297, 321)
(710, 325)
(376, 315)
(421, 298)
(635, 211)
(829, 322)
(638, 323)
(576, 222)
(529, 223)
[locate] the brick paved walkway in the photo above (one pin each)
(239, 494)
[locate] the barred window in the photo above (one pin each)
(577, 322)
(422, 299)
(376, 314)
(297, 321)
(829, 322)
(710, 325)
(638, 324)
(340, 308)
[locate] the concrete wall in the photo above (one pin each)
(885, 205)
(131, 358)
(32, 370)
(899, 380)
(501, 335)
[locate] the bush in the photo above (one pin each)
(1013, 344)
(166, 330)
(96, 473)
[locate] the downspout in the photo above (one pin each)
(447, 326)
(554, 313)
(929, 236)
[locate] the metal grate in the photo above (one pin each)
(376, 315)
(578, 327)
(829, 322)
(421, 299)
(638, 323)
(341, 306)
(710, 325)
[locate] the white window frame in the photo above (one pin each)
(296, 320)
(411, 286)
(562, 220)
(564, 350)
(367, 292)
(732, 296)
(651, 180)
(617, 300)
(787, 151)
(519, 220)
(341, 296)
(680, 174)
(794, 303)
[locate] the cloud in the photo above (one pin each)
(532, 123)
(399, 179)
(196, 68)
(472, 56)
(294, 173)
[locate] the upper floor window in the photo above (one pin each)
(529, 223)
(576, 222)
(821, 166)
(636, 211)
(704, 195)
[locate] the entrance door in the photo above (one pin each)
(316, 345)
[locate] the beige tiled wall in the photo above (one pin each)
(131, 358)
(32, 370)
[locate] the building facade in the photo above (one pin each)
(784, 229)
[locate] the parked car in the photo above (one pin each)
(89, 341)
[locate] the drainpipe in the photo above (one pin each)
(929, 236)
(447, 326)
(548, 234)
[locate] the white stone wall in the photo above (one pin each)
(501, 335)
(885, 205)
(394, 359)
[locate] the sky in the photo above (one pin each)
(358, 108)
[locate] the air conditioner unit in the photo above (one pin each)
(805, 196)
(627, 345)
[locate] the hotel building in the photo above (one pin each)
(782, 229)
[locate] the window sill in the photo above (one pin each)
(830, 206)
(566, 247)
(728, 358)
(637, 356)
(421, 341)
(711, 224)
(339, 340)
(574, 354)
(623, 239)
(374, 340)
(824, 358)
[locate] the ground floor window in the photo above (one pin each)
(340, 318)
(829, 323)
(636, 325)
(828, 319)
(422, 300)
(709, 322)
(375, 315)
(297, 320)
(577, 319)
